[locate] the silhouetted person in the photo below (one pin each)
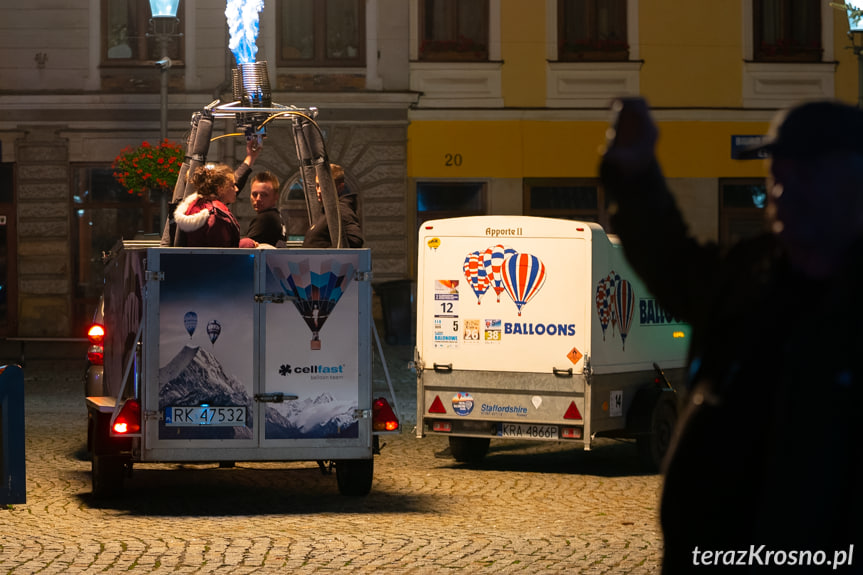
(767, 451)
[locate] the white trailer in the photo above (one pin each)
(231, 355)
(537, 328)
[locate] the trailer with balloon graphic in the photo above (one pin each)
(227, 354)
(537, 328)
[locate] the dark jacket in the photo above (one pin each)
(267, 227)
(766, 452)
(206, 223)
(318, 235)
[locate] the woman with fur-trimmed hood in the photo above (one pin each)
(203, 217)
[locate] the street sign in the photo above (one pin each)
(742, 143)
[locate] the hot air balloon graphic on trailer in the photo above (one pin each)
(314, 294)
(476, 275)
(604, 302)
(214, 328)
(624, 305)
(190, 320)
(523, 276)
(492, 260)
(615, 305)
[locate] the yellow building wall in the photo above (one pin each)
(692, 52)
(522, 48)
(529, 149)
(846, 61)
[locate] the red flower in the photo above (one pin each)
(148, 167)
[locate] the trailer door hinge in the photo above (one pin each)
(363, 276)
(273, 298)
(362, 413)
(151, 275)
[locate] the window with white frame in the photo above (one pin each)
(321, 33)
(454, 30)
(786, 30)
(592, 30)
(127, 38)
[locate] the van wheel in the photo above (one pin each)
(468, 449)
(354, 476)
(107, 475)
(653, 446)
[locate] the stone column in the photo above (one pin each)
(44, 250)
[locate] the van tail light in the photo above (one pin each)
(383, 416)
(128, 421)
(96, 334)
(96, 355)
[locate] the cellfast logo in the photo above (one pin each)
(288, 369)
(565, 329)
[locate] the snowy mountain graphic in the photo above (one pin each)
(312, 418)
(195, 377)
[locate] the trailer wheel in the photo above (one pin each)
(354, 476)
(107, 473)
(653, 446)
(468, 449)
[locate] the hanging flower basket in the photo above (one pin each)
(148, 167)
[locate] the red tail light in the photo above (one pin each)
(96, 334)
(96, 355)
(383, 416)
(128, 421)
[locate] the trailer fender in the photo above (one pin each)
(641, 409)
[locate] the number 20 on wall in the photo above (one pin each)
(450, 160)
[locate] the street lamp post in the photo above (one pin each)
(164, 23)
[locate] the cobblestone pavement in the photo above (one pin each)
(527, 508)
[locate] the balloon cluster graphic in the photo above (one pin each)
(502, 269)
(214, 328)
(615, 304)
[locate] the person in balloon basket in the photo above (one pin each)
(267, 226)
(766, 451)
(203, 217)
(318, 235)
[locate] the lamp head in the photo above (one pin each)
(164, 8)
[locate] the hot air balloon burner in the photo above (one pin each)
(251, 86)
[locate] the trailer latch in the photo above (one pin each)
(363, 276)
(276, 397)
(362, 413)
(151, 275)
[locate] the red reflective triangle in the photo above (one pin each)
(572, 412)
(437, 406)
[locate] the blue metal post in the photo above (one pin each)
(12, 472)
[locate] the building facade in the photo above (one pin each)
(436, 108)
